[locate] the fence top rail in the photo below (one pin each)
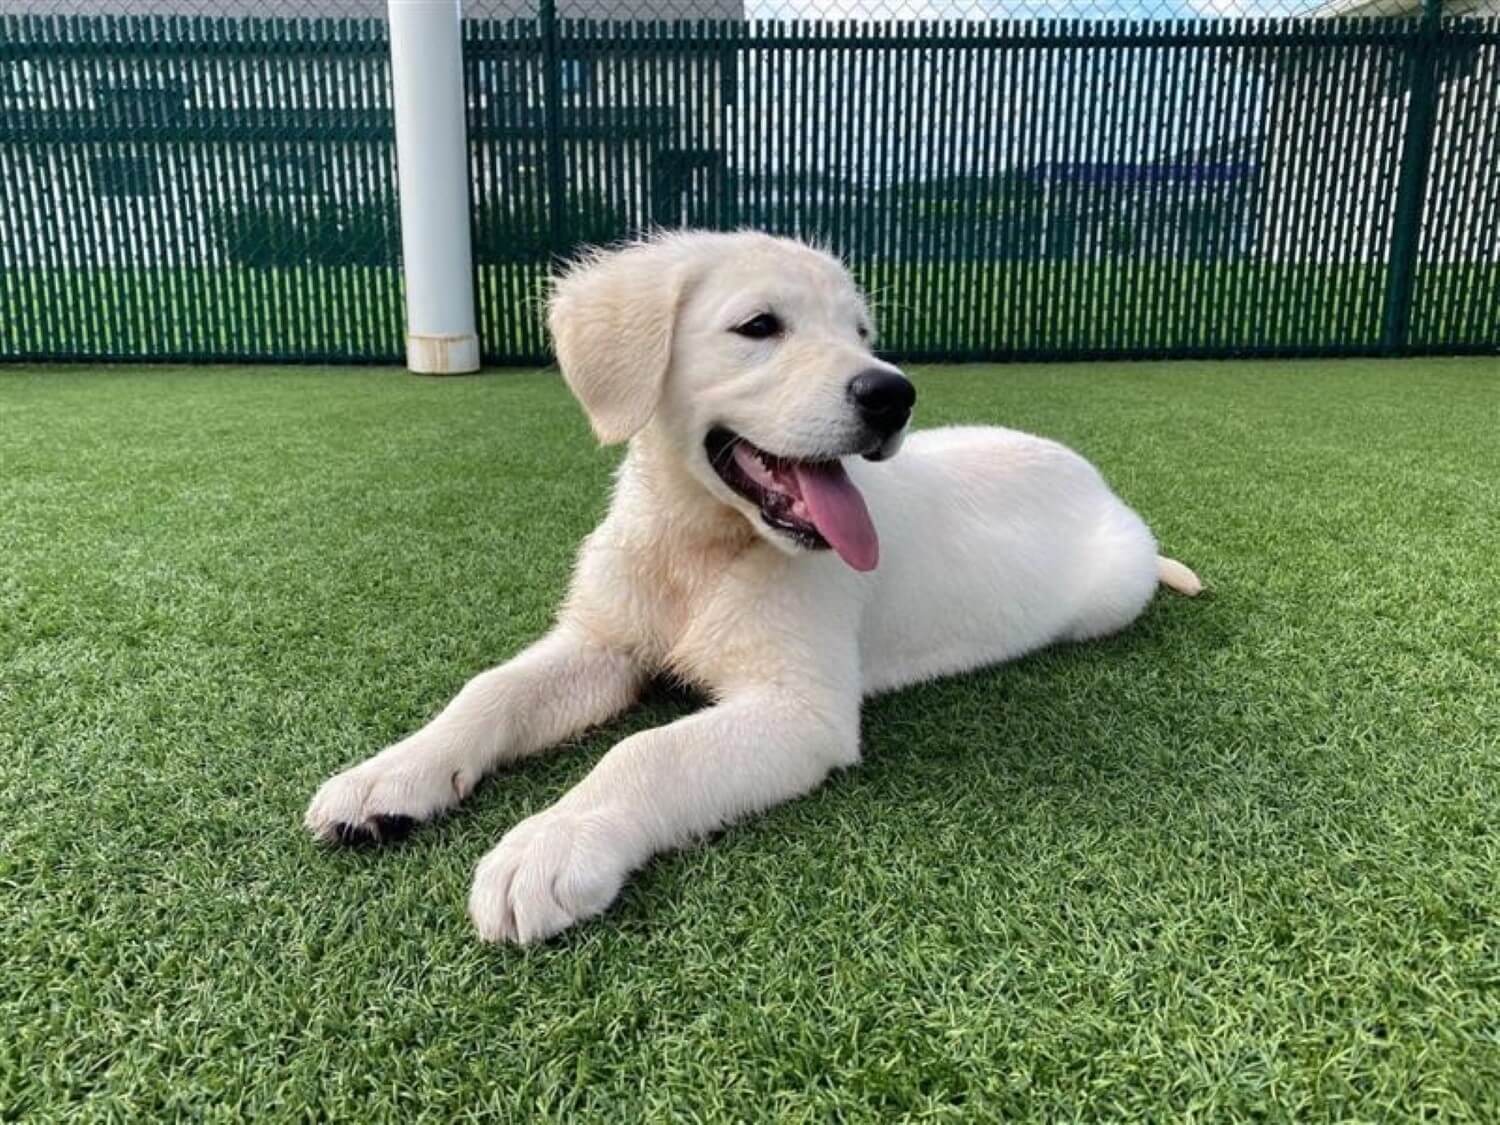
(504, 36)
(1027, 36)
(30, 36)
(23, 36)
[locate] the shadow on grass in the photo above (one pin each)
(1022, 720)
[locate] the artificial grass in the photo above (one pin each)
(1238, 863)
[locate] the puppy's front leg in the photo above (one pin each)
(654, 791)
(562, 684)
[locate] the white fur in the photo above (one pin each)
(993, 543)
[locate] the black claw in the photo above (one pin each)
(377, 830)
(389, 829)
(353, 835)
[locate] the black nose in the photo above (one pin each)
(884, 399)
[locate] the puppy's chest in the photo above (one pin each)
(673, 606)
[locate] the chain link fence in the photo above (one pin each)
(974, 11)
(216, 180)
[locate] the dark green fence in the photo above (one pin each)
(197, 189)
(215, 189)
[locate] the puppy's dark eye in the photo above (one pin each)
(864, 331)
(761, 327)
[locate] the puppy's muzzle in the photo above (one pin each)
(884, 400)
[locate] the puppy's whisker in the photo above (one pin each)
(726, 454)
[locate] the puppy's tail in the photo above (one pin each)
(1175, 576)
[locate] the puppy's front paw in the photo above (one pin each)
(383, 798)
(548, 872)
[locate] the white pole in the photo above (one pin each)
(432, 163)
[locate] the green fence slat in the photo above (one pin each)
(969, 211)
(828, 92)
(1287, 296)
(956, 201)
(917, 130)
(879, 102)
(1192, 217)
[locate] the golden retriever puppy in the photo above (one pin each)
(766, 543)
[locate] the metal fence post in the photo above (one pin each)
(552, 122)
(1416, 161)
(432, 164)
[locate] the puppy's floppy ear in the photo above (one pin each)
(612, 319)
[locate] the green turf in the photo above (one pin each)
(1240, 863)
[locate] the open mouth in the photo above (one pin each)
(812, 502)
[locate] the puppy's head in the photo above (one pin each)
(750, 357)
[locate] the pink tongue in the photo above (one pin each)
(838, 512)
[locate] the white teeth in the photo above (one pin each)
(752, 462)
